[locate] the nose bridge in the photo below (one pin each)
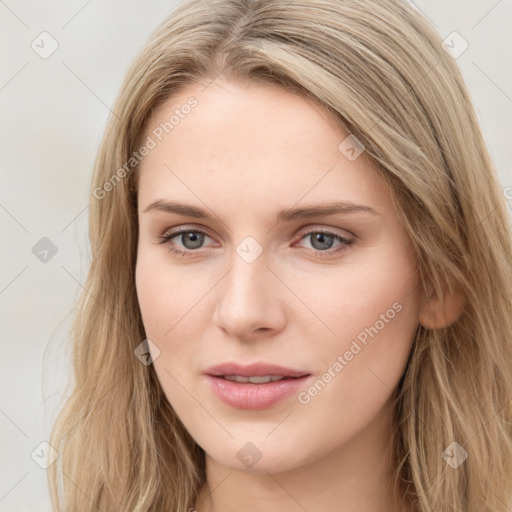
(246, 285)
(246, 299)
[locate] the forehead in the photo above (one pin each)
(250, 144)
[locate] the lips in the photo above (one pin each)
(254, 370)
(254, 386)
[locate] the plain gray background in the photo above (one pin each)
(53, 112)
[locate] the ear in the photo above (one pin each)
(439, 312)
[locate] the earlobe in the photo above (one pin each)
(437, 313)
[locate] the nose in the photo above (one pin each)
(249, 301)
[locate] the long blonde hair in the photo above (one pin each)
(380, 69)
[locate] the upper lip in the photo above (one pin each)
(253, 370)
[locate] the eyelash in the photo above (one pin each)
(165, 239)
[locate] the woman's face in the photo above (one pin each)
(336, 311)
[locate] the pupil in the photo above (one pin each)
(323, 239)
(195, 238)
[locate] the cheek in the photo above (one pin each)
(173, 313)
(153, 303)
(166, 296)
(379, 291)
(374, 313)
(164, 312)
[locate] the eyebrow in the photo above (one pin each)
(284, 215)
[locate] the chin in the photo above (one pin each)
(258, 456)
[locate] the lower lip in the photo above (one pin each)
(254, 396)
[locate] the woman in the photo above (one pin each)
(300, 293)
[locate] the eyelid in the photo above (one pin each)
(186, 227)
(303, 230)
(335, 231)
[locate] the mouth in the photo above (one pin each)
(264, 379)
(253, 371)
(255, 386)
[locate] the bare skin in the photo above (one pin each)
(243, 153)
